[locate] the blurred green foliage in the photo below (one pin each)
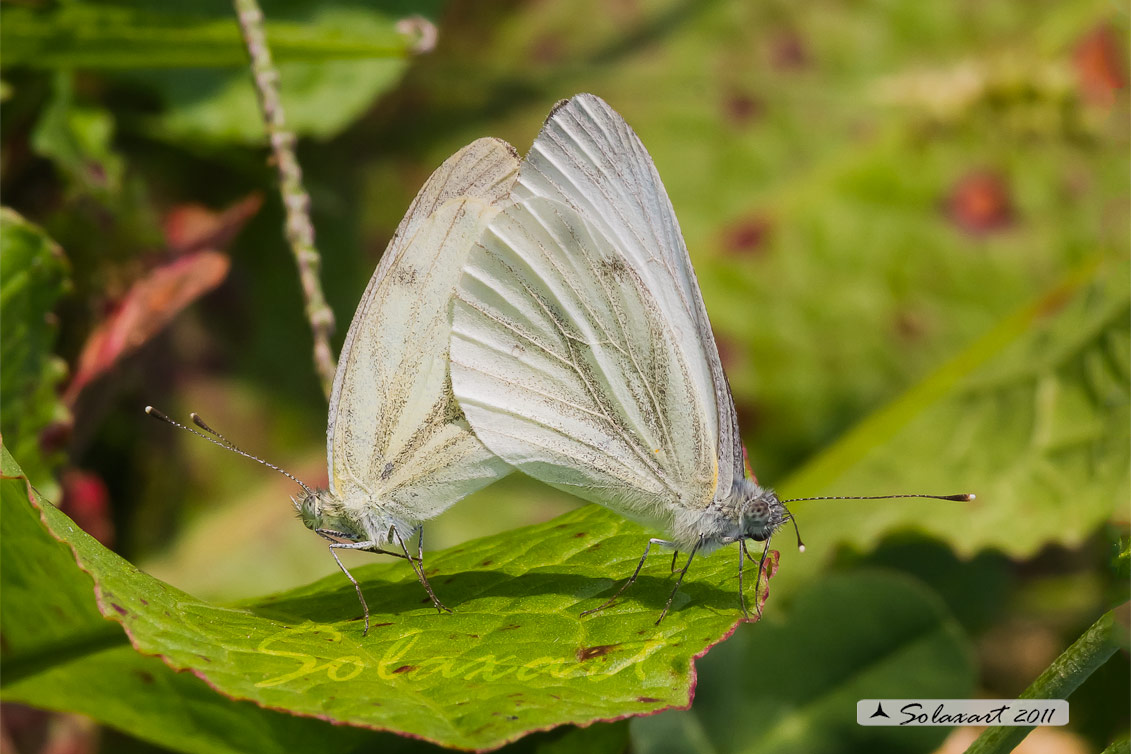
(913, 212)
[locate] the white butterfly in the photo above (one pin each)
(581, 349)
(399, 449)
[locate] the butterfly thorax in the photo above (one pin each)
(750, 511)
(323, 510)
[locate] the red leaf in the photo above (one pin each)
(980, 203)
(191, 227)
(87, 501)
(193, 233)
(151, 303)
(1100, 66)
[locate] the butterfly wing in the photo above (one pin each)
(396, 436)
(567, 367)
(592, 365)
(589, 158)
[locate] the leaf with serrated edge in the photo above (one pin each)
(513, 658)
(59, 653)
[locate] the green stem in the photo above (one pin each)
(1063, 676)
(296, 202)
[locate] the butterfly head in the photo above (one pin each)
(323, 510)
(760, 513)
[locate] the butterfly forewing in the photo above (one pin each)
(565, 366)
(396, 435)
(587, 157)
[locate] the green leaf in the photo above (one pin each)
(792, 685)
(513, 658)
(33, 274)
(333, 59)
(60, 653)
(1122, 746)
(144, 34)
(1035, 418)
(78, 140)
(220, 106)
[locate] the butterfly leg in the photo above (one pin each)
(330, 534)
(690, 557)
(675, 556)
(757, 581)
(632, 578)
(418, 567)
(357, 586)
(741, 595)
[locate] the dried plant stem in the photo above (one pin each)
(299, 229)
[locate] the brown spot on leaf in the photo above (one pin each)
(144, 676)
(1101, 68)
(547, 49)
(910, 326)
(511, 627)
(588, 653)
(980, 202)
(579, 534)
(788, 51)
(120, 610)
(404, 669)
(748, 236)
(486, 562)
(740, 109)
(648, 699)
(378, 625)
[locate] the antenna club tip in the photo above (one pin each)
(971, 496)
(149, 410)
(801, 548)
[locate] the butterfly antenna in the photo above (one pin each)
(216, 438)
(963, 498)
(800, 544)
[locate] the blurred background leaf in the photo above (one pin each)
(33, 275)
(878, 198)
(792, 686)
(181, 34)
